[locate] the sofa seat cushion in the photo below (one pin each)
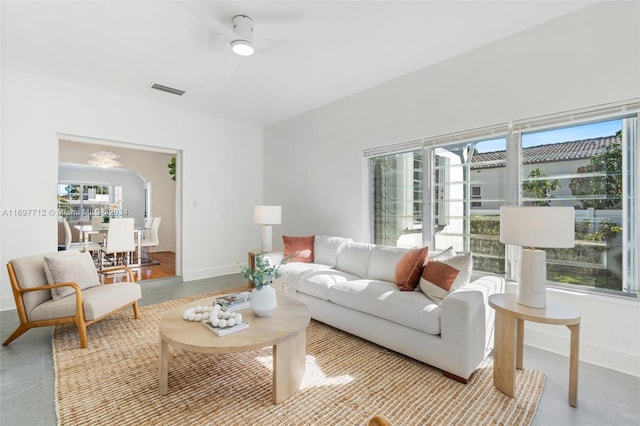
(97, 302)
(317, 283)
(383, 299)
(292, 273)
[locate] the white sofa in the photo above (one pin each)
(351, 286)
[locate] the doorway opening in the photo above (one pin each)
(140, 186)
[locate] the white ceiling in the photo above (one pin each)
(124, 46)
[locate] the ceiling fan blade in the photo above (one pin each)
(282, 47)
(211, 22)
(230, 64)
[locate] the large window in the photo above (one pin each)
(81, 201)
(447, 192)
(582, 167)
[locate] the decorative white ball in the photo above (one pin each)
(192, 316)
(198, 317)
(215, 322)
(238, 318)
(198, 309)
(185, 315)
(223, 323)
(225, 315)
(205, 315)
(231, 322)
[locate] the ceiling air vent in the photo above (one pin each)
(167, 89)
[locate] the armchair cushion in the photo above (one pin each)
(78, 268)
(96, 302)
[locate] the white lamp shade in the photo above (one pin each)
(267, 215)
(544, 227)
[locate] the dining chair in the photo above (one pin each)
(151, 238)
(96, 222)
(69, 244)
(120, 242)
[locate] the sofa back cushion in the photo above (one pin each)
(383, 262)
(354, 258)
(326, 248)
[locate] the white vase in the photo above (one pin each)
(263, 301)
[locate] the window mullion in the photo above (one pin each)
(427, 197)
(513, 197)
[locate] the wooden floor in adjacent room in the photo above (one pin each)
(165, 268)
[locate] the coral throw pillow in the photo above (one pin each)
(441, 277)
(301, 248)
(409, 268)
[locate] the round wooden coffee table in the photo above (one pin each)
(285, 330)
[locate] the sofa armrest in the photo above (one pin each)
(463, 317)
(466, 313)
(462, 328)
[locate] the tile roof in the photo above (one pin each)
(561, 151)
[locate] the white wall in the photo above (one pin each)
(314, 166)
(222, 160)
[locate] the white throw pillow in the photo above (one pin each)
(445, 254)
(326, 248)
(79, 269)
(440, 277)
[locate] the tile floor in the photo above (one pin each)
(605, 397)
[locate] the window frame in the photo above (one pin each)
(513, 194)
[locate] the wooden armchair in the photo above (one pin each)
(37, 305)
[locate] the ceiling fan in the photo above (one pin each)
(239, 35)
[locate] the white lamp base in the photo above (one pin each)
(532, 290)
(266, 238)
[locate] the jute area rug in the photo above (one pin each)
(347, 381)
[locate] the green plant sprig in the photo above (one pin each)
(264, 272)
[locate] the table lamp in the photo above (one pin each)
(267, 216)
(531, 227)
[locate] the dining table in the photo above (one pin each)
(87, 230)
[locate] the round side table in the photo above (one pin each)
(509, 338)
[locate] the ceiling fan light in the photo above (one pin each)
(242, 47)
